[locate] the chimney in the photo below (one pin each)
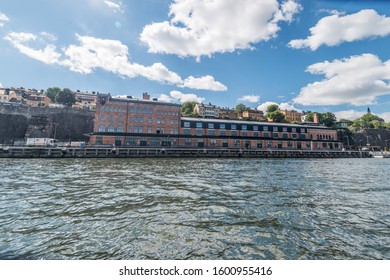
(316, 118)
(145, 96)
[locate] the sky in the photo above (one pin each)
(325, 55)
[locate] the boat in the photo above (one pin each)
(380, 154)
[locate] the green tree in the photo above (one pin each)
(274, 114)
(52, 93)
(272, 108)
(367, 121)
(66, 97)
(240, 108)
(328, 119)
(187, 109)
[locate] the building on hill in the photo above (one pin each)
(228, 113)
(207, 110)
(253, 114)
(292, 116)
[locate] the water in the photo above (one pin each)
(195, 209)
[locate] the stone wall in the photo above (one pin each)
(64, 124)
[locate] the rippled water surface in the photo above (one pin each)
(195, 209)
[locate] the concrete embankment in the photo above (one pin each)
(102, 152)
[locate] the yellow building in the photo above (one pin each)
(292, 116)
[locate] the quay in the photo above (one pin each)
(159, 152)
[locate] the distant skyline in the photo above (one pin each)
(301, 54)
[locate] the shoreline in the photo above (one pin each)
(174, 152)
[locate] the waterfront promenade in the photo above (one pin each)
(134, 152)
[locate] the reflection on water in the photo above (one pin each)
(195, 209)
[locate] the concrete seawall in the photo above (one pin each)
(99, 152)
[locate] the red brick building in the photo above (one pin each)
(134, 122)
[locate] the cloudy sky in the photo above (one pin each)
(324, 55)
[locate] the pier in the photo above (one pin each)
(156, 152)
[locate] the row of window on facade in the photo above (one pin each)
(138, 110)
(242, 127)
(120, 119)
(137, 129)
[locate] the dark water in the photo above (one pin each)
(195, 209)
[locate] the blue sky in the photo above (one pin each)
(321, 56)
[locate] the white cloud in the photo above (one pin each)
(282, 106)
(336, 29)
(3, 18)
(205, 83)
(349, 114)
(357, 80)
(47, 55)
(110, 55)
(117, 7)
(204, 27)
(1, 85)
(181, 97)
(385, 116)
(250, 98)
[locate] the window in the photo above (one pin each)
(141, 120)
(99, 140)
(150, 121)
(103, 118)
(149, 129)
(303, 136)
(266, 134)
(255, 134)
(211, 125)
(119, 129)
(199, 132)
(135, 120)
(112, 118)
(285, 135)
(163, 121)
(233, 126)
(244, 133)
(144, 111)
(284, 129)
(186, 124)
(140, 129)
(294, 136)
(111, 128)
(210, 132)
(120, 119)
(102, 128)
(244, 127)
(172, 121)
(187, 131)
(276, 135)
(233, 133)
(255, 127)
(275, 129)
(265, 128)
(199, 125)
(138, 110)
(294, 129)
(289, 144)
(132, 110)
(150, 111)
(135, 129)
(222, 126)
(222, 132)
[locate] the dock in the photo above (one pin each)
(159, 152)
